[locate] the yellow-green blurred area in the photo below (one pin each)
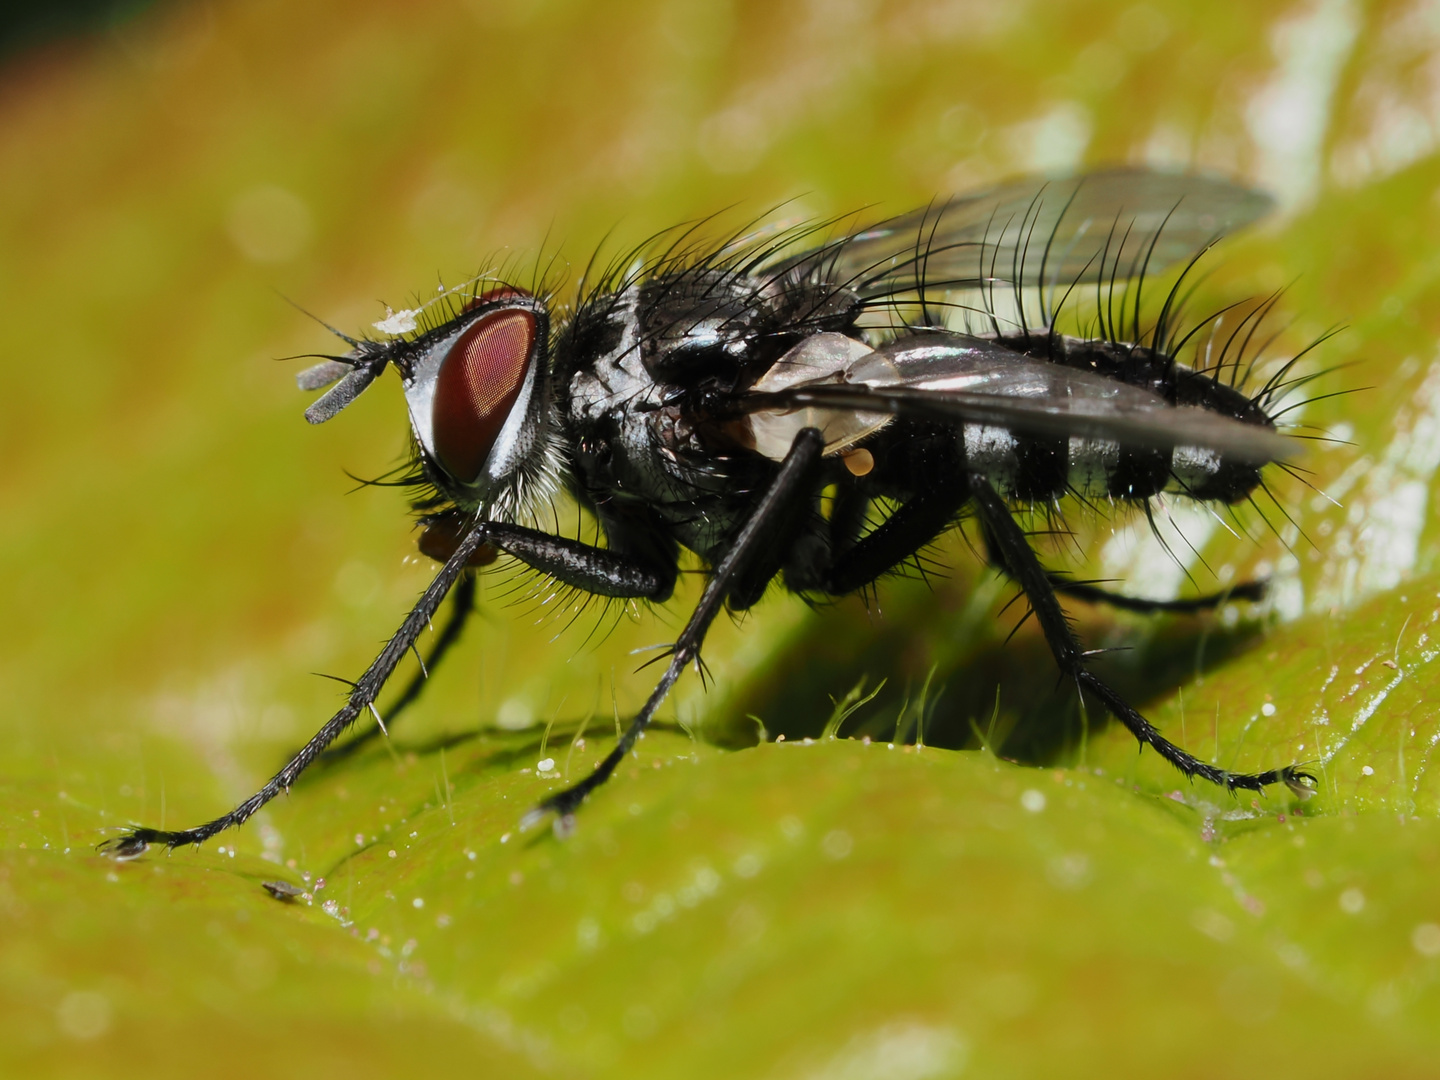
(1022, 895)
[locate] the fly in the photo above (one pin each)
(714, 399)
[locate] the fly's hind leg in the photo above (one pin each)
(756, 538)
(1091, 593)
(1012, 549)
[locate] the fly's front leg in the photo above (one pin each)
(362, 697)
(595, 569)
(1013, 550)
(797, 476)
(462, 606)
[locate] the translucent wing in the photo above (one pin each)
(1039, 232)
(969, 380)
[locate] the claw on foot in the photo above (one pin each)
(124, 848)
(562, 806)
(1301, 784)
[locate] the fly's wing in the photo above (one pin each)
(1036, 232)
(968, 380)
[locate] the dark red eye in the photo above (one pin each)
(477, 386)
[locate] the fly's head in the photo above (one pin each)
(477, 388)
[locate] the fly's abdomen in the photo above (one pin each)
(1039, 469)
(1020, 466)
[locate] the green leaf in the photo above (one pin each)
(1041, 900)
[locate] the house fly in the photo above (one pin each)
(795, 407)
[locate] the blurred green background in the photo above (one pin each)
(181, 551)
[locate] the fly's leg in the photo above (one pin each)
(595, 569)
(1012, 549)
(918, 521)
(462, 606)
(796, 476)
(1091, 594)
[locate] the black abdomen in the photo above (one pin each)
(1041, 469)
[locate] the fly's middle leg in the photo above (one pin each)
(771, 515)
(918, 521)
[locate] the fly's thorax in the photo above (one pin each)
(632, 441)
(698, 324)
(707, 324)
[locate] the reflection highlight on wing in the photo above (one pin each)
(849, 391)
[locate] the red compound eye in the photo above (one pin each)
(476, 389)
